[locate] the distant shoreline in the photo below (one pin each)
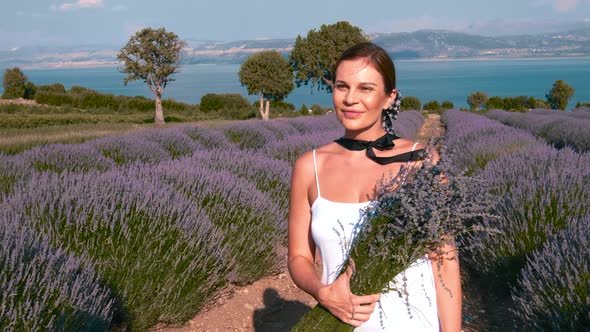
(495, 58)
(113, 64)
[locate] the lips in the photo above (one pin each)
(351, 114)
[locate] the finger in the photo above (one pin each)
(360, 318)
(351, 264)
(354, 322)
(365, 299)
(364, 309)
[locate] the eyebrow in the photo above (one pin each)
(361, 83)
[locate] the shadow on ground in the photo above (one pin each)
(278, 314)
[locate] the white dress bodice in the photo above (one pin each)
(333, 227)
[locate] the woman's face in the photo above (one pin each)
(359, 97)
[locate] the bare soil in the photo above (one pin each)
(274, 303)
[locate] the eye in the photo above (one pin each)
(341, 86)
(366, 88)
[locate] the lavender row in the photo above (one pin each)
(539, 191)
(472, 140)
(152, 246)
(553, 291)
(560, 129)
(42, 288)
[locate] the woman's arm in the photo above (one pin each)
(336, 297)
(301, 245)
(447, 281)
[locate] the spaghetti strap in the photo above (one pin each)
(407, 170)
(315, 168)
(412, 153)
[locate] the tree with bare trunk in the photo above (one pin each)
(269, 75)
(313, 57)
(152, 55)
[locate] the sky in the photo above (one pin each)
(112, 22)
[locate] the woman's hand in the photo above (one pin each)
(349, 308)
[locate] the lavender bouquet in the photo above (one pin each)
(416, 212)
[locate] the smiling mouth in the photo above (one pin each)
(351, 114)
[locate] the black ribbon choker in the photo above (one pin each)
(384, 142)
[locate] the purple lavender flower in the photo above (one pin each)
(209, 138)
(66, 157)
(558, 128)
(42, 288)
(247, 217)
(553, 290)
(147, 241)
(126, 149)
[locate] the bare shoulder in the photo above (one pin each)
(303, 164)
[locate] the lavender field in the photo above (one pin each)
(132, 230)
(537, 262)
(558, 128)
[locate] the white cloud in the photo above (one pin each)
(564, 5)
(81, 4)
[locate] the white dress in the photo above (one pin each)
(333, 229)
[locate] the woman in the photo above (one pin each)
(331, 185)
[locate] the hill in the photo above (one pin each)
(422, 44)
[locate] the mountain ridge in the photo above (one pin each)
(421, 44)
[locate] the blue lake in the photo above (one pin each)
(428, 80)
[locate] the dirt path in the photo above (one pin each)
(272, 303)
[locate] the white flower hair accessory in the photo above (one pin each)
(390, 114)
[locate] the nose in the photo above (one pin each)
(350, 98)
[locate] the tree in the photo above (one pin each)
(152, 55)
(30, 90)
(411, 103)
(447, 105)
(495, 102)
(432, 105)
(560, 95)
(313, 58)
(269, 75)
(14, 83)
(477, 99)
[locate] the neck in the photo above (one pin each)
(364, 135)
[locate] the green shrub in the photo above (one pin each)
(447, 105)
(411, 103)
(139, 103)
(432, 105)
(303, 110)
(215, 102)
(53, 88)
(30, 90)
(495, 102)
(97, 100)
(316, 109)
(53, 98)
(238, 113)
(515, 104)
(76, 89)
